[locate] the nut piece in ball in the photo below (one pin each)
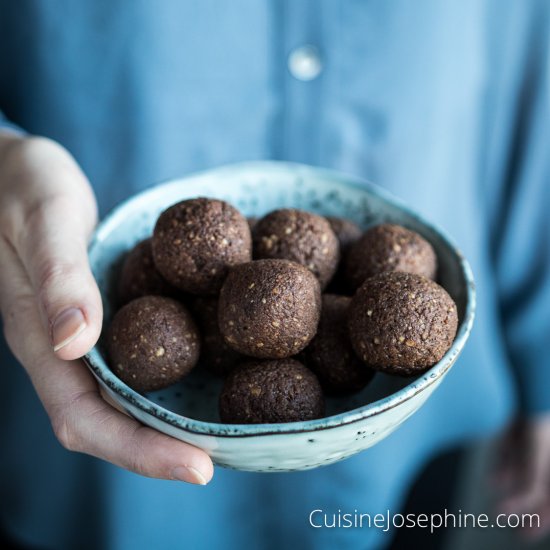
(330, 354)
(269, 308)
(152, 342)
(139, 276)
(401, 323)
(271, 391)
(196, 241)
(216, 355)
(389, 247)
(301, 237)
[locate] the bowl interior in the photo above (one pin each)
(256, 188)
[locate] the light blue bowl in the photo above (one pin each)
(188, 410)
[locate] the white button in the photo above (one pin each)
(304, 63)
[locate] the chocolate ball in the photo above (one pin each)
(139, 276)
(252, 221)
(298, 236)
(389, 247)
(152, 342)
(330, 354)
(346, 231)
(216, 355)
(401, 323)
(271, 391)
(196, 241)
(269, 308)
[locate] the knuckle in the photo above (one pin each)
(50, 276)
(64, 430)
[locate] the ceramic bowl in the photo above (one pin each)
(188, 410)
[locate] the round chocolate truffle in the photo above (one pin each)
(401, 323)
(252, 221)
(301, 237)
(389, 247)
(269, 308)
(152, 342)
(271, 391)
(216, 355)
(330, 354)
(196, 241)
(139, 276)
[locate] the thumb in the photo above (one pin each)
(53, 250)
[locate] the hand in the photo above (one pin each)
(522, 474)
(51, 309)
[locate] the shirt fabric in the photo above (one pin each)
(445, 104)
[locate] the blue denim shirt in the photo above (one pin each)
(446, 104)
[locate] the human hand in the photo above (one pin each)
(52, 313)
(522, 472)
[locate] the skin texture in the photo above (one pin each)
(301, 237)
(139, 276)
(196, 241)
(401, 323)
(216, 355)
(330, 354)
(47, 211)
(152, 343)
(271, 391)
(389, 247)
(269, 308)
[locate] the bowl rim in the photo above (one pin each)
(97, 364)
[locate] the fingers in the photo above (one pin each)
(529, 490)
(56, 261)
(48, 214)
(88, 424)
(81, 419)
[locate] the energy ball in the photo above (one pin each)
(252, 221)
(401, 323)
(389, 247)
(330, 354)
(216, 355)
(271, 391)
(301, 237)
(269, 308)
(346, 231)
(152, 342)
(196, 241)
(139, 276)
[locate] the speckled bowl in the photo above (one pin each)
(188, 410)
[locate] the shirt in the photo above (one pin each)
(445, 104)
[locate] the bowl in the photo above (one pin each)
(188, 410)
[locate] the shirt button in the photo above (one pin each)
(304, 63)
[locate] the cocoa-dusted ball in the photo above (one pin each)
(196, 241)
(330, 354)
(152, 342)
(271, 391)
(139, 276)
(401, 323)
(269, 308)
(299, 236)
(389, 247)
(216, 355)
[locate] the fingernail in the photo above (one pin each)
(188, 474)
(66, 327)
